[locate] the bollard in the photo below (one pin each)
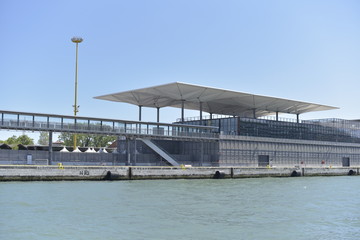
(108, 176)
(295, 174)
(219, 175)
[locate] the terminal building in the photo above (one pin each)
(232, 129)
(247, 136)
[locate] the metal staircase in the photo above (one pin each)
(159, 151)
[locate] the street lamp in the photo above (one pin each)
(76, 40)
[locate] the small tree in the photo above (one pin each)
(25, 140)
(103, 140)
(11, 140)
(43, 138)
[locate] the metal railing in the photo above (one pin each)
(62, 123)
(219, 116)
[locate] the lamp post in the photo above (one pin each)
(76, 40)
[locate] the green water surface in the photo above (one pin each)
(264, 208)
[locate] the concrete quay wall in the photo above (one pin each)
(49, 173)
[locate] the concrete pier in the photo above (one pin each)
(61, 172)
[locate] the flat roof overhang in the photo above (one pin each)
(212, 100)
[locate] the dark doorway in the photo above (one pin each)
(263, 160)
(346, 162)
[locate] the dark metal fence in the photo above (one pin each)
(333, 130)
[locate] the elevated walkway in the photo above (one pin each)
(89, 125)
(159, 151)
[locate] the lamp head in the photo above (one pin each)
(77, 39)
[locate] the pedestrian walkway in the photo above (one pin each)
(88, 125)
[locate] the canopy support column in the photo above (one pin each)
(297, 118)
(139, 119)
(158, 114)
(182, 110)
(254, 113)
(140, 113)
(277, 116)
(201, 116)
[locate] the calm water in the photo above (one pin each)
(266, 208)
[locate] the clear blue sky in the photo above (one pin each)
(306, 50)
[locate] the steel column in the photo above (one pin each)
(140, 113)
(158, 114)
(201, 153)
(182, 110)
(118, 149)
(134, 162)
(201, 116)
(50, 148)
(128, 154)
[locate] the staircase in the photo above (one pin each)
(159, 151)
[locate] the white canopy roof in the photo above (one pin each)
(212, 100)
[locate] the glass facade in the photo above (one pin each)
(333, 130)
